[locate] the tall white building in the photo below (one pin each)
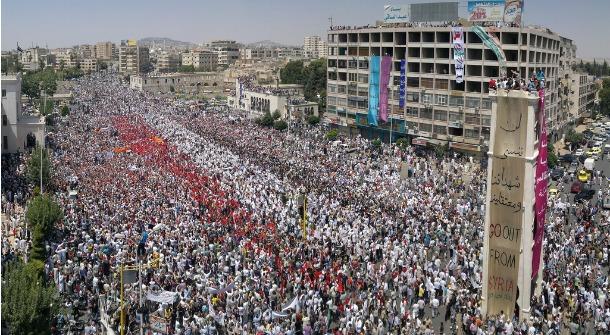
(201, 60)
(437, 109)
(19, 131)
(315, 47)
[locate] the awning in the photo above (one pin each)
(464, 146)
(419, 141)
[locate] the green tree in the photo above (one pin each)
(186, 68)
(292, 73)
(402, 143)
(573, 137)
(604, 98)
(65, 110)
(376, 143)
(313, 120)
(280, 125)
(315, 82)
(265, 120)
(42, 214)
(276, 115)
(10, 64)
(29, 303)
(552, 158)
(33, 167)
(332, 135)
(102, 65)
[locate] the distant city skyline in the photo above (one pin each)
(65, 23)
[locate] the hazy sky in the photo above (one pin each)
(64, 23)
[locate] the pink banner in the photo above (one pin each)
(540, 188)
(384, 80)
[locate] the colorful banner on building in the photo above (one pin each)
(513, 10)
(403, 83)
(506, 204)
(540, 188)
(458, 53)
(396, 13)
(374, 64)
(384, 81)
(492, 43)
(487, 10)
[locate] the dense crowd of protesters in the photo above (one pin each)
(212, 206)
(248, 83)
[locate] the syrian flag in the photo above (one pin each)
(292, 305)
(19, 48)
(213, 290)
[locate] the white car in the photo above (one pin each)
(579, 152)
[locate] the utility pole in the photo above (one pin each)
(140, 295)
(122, 326)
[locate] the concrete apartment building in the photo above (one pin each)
(201, 60)
(167, 61)
(133, 59)
(315, 47)
(88, 65)
(227, 51)
(19, 131)
(65, 58)
(31, 58)
(104, 50)
(437, 109)
(576, 90)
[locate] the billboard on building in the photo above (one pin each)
(488, 10)
(434, 12)
(513, 10)
(396, 13)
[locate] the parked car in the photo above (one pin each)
(553, 191)
(595, 151)
(576, 187)
(568, 158)
(579, 152)
(606, 149)
(557, 173)
(584, 195)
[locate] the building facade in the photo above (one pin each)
(167, 62)
(31, 58)
(178, 82)
(104, 50)
(227, 51)
(437, 109)
(315, 47)
(88, 65)
(133, 59)
(200, 60)
(19, 132)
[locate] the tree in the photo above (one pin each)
(315, 82)
(292, 73)
(332, 135)
(376, 143)
(604, 98)
(45, 107)
(29, 303)
(186, 68)
(276, 115)
(573, 137)
(266, 120)
(42, 214)
(102, 65)
(65, 110)
(10, 64)
(280, 125)
(33, 167)
(402, 143)
(313, 120)
(552, 158)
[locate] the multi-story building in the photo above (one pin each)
(86, 51)
(437, 108)
(315, 47)
(88, 65)
(200, 60)
(167, 61)
(582, 97)
(227, 51)
(19, 131)
(65, 58)
(133, 58)
(32, 57)
(104, 50)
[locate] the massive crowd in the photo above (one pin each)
(248, 83)
(211, 204)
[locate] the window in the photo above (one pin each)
(353, 77)
(456, 116)
(5, 142)
(426, 113)
(412, 111)
(413, 96)
(427, 98)
(425, 127)
(441, 99)
(471, 133)
(4, 120)
(3, 93)
(363, 78)
(473, 102)
(440, 115)
(441, 130)
(456, 101)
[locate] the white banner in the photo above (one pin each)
(396, 13)
(166, 297)
(458, 53)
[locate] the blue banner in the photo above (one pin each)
(403, 86)
(375, 63)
